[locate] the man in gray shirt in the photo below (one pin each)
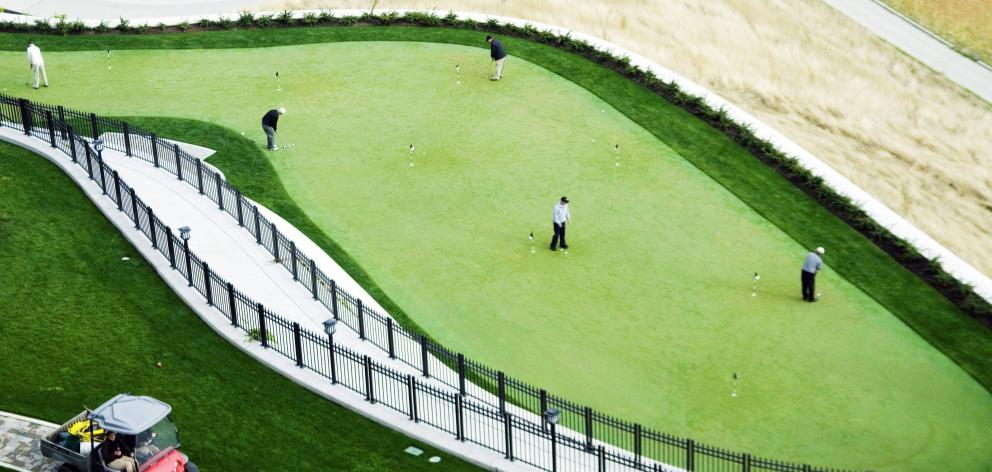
(810, 268)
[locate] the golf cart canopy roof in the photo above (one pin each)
(128, 414)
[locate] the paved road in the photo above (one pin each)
(919, 44)
(19, 443)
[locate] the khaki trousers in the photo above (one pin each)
(499, 69)
(39, 73)
(127, 464)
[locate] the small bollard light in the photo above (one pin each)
(98, 146)
(330, 326)
(552, 415)
(184, 233)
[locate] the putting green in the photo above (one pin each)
(651, 311)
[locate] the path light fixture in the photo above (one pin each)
(330, 326)
(184, 233)
(552, 415)
(98, 146)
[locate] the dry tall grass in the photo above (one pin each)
(908, 136)
(967, 23)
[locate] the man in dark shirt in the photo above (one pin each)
(270, 123)
(498, 55)
(117, 454)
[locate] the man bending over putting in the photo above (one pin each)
(498, 55)
(269, 124)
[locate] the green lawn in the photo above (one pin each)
(650, 313)
(79, 325)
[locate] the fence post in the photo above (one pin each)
(134, 208)
(746, 463)
(258, 226)
(292, 260)
(369, 391)
(601, 459)
(103, 180)
(389, 338)
(637, 445)
(544, 407)
(423, 356)
(206, 284)
(588, 418)
(501, 390)
(263, 334)
(127, 139)
(199, 176)
(72, 145)
(461, 374)
(807, 468)
(154, 150)
(64, 128)
(117, 191)
(554, 448)
(334, 298)
(151, 227)
(238, 201)
(313, 278)
(179, 164)
(459, 418)
(93, 126)
(189, 262)
(361, 320)
(51, 127)
(275, 241)
(171, 244)
(232, 303)
(411, 391)
(220, 191)
(690, 455)
(508, 430)
(25, 115)
(299, 344)
(89, 162)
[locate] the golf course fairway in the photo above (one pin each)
(651, 311)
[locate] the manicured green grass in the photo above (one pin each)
(79, 325)
(661, 259)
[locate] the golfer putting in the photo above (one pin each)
(37, 64)
(270, 122)
(560, 216)
(811, 266)
(498, 55)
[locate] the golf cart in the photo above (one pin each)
(142, 422)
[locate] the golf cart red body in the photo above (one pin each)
(141, 421)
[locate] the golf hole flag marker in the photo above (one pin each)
(412, 150)
(458, 73)
(733, 392)
(532, 248)
(278, 83)
(754, 286)
(616, 151)
(108, 60)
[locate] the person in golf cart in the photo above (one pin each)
(117, 454)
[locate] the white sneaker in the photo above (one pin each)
(274, 148)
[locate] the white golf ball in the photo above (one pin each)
(818, 295)
(757, 277)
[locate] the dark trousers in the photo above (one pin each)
(559, 236)
(809, 286)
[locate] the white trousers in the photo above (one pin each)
(499, 69)
(39, 73)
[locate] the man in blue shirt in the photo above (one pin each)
(498, 55)
(811, 266)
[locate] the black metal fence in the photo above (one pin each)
(481, 407)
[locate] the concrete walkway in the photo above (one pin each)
(920, 43)
(19, 437)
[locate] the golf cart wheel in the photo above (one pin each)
(191, 467)
(67, 468)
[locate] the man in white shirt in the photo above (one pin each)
(559, 217)
(37, 64)
(811, 266)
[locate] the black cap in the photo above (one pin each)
(564, 199)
